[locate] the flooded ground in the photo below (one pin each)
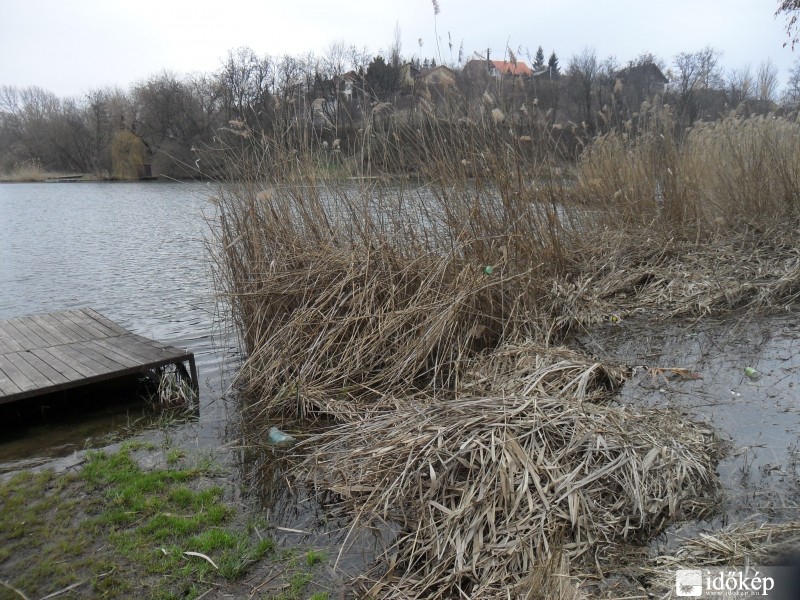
(698, 368)
(756, 414)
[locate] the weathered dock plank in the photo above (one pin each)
(17, 377)
(7, 387)
(11, 337)
(62, 367)
(40, 354)
(118, 329)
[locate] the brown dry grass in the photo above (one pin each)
(28, 171)
(529, 368)
(734, 174)
(653, 274)
(483, 489)
(351, 289)
(424, 317)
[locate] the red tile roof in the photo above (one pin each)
(510, 68)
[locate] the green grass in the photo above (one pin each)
(314, 557)
(37, 533)
(174, 456)
(115, 527)
(299, 575)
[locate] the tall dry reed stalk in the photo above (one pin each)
(29, 170)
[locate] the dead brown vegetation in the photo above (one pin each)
(425, 317)
(483, 489)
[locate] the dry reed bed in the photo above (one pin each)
(484, 489)
(655, 275)
(424, 326)
(728, 174)
(342, 327)
(343, 293)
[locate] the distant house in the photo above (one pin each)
(321, 111)
(409, 74)
(476, 68)
(440, 75)
(641, 82)
(497, 68)
(346, 83)
(503, 68)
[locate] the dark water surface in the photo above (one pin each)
(757, 418)
(134, 252)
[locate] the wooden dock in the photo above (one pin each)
(40, 354)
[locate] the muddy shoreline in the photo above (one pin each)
(757, 418)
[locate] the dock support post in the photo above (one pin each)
(193, 371)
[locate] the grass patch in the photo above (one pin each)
(142, 523)
(33, 171)
(314, 557)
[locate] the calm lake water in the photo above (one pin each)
(132, 251)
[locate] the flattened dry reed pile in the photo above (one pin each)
(530, 368)
(484, 489)
(655, 275)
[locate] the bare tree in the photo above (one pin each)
(740, 86)
(583, 71)
(397, 46)
(208, 98)
(696, 74)
(106, 111)
(337, 59)
(711, 76)
(244, 80)
(767, 81)
(648, 58)
(791, 94)
(35, 124)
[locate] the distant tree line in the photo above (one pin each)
(310, 99)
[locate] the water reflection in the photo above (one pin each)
(135, 252)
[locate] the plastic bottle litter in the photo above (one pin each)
(279, 438)
(751, 372)
(488, 269)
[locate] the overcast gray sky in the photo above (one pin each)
(71, 46)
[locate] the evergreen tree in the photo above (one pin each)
(382, 78)
(538, 61)
(552, 65)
